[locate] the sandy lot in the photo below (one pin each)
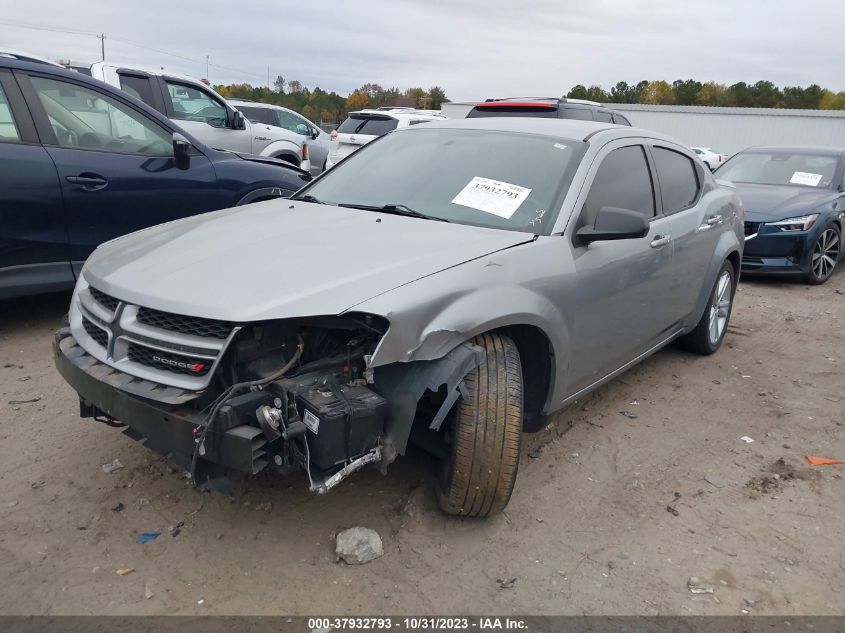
(611, 515)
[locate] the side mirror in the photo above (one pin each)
(181, 151)
(238, 121)
(613, 223)
(314, 134)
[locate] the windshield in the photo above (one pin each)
(364, 124)
(478, 177)
(780, 168)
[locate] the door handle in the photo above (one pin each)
(88, 181)
(660, 240)
(709, 223)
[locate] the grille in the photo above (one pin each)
(751, 228)
(108, 302)
(96, 333)
(195, 326)
(175, 363)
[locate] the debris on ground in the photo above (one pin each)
(358, 545)
(670, 508)
(535, 453)
(629, 415)
(146, 537)
(148, 593)
(506, 583)
(817, 460)
(30, 401)
(746, 439)
(265, 507)
(695, 585)
(779, 473)
(118, 507)
(715, 481)
(125, 571)
(112, 466)
(176, 529)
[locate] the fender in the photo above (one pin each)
(728, 244)
(263, 194)
(283, 147)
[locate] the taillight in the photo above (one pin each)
(333, 135)
(305, 151)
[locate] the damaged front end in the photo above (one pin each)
(286, 395)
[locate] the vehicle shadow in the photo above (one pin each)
(24, 313)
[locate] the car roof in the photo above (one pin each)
(803, 149)
(562, 128)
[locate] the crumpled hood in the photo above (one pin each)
(280, 259)
(767, 203)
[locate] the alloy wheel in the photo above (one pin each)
(825, 253)
(720, 307)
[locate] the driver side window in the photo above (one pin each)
(83, 118)
(292, 122)
(193, 104)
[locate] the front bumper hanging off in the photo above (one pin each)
(168, 429)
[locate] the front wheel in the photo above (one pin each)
(486, 432)
(710, 331)
(825, 255)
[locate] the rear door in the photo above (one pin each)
(360, 129)
(696, 219)
(203, 114)
(621, 285)
(33, 239)
(115, 164)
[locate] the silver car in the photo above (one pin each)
(454, 302)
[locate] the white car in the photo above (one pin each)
(710, 158)
(364, 126)
(315, 141)
(198, 109)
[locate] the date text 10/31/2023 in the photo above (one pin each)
(417, 623)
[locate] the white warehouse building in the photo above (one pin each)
(725, 130)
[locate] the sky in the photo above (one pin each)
(474, 49)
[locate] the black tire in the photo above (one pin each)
(486, 428)
(700, 340)
(824, 246)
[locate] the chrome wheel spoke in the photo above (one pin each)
(720, 307)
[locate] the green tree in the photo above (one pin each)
(357, 101)
(279, 84)
(686, 91)
(577, 92)
(798, 97)
(766, 95)
(712, 94)
(832, 100)
(438, 96)
(596, 93)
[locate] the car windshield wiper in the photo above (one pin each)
(395, 209)
(307, 198)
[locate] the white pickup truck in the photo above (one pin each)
(204, 113)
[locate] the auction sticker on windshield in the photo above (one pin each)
(805, 178)
(492, 196)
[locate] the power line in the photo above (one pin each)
(130, 42)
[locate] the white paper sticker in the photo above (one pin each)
(805, 178)
(311, 421)
(492, 196)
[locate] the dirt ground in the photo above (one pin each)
(611, 514)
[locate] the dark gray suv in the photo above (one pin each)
(549, 108)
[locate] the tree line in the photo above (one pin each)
(319, 105)
(763, 94)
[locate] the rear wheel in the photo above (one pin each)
(486, 431)
(708, 335)
(825, 255)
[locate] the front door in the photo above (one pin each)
(33, 239)
(114, 163)
(620, 308)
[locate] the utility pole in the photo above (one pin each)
(206, 69)
(102, 38)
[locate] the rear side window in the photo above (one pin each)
(620, 120)
(138, 87)
(623, 180)
(375, 126)
(678, 179)
(603, 116)
(257, 115)
(583, 114)
(8, 129)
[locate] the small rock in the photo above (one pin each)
(148, 593)
(143, 501)
(358, 545)
(265, 507)
(118, 507)
(611, 564)
(629, 415)
(535, 453)
(695, 585)
(112, 466)
(506, 583)
(749, 602)
(11, 504)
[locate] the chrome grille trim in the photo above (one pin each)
(125, 331)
